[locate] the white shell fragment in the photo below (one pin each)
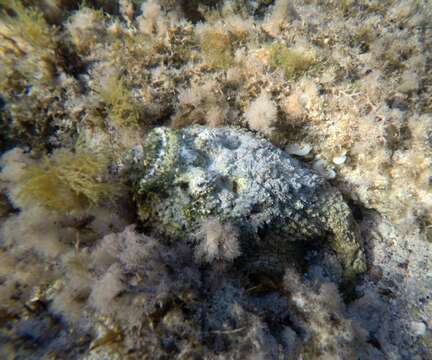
(298, 149)
(324, 169)
(340, 159)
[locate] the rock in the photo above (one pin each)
(182, 177)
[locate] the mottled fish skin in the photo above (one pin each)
(183, 176)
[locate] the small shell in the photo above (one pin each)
(340, 159)
(298, 149)
(323, 168)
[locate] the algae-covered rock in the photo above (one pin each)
(182, 177)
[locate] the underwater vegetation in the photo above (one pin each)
(291, 61)
(27, 23)
(121, 108)
(135, 223)
(65, 181)
(216, 48)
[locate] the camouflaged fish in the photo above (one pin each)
(184, 176)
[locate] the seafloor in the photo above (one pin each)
(238, 179)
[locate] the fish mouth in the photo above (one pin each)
(159, 154)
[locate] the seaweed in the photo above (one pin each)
(292, 61)
(28, 23)
(122, 109)
(67, 181)
(217, 50)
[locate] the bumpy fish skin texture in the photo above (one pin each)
(184, 176)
